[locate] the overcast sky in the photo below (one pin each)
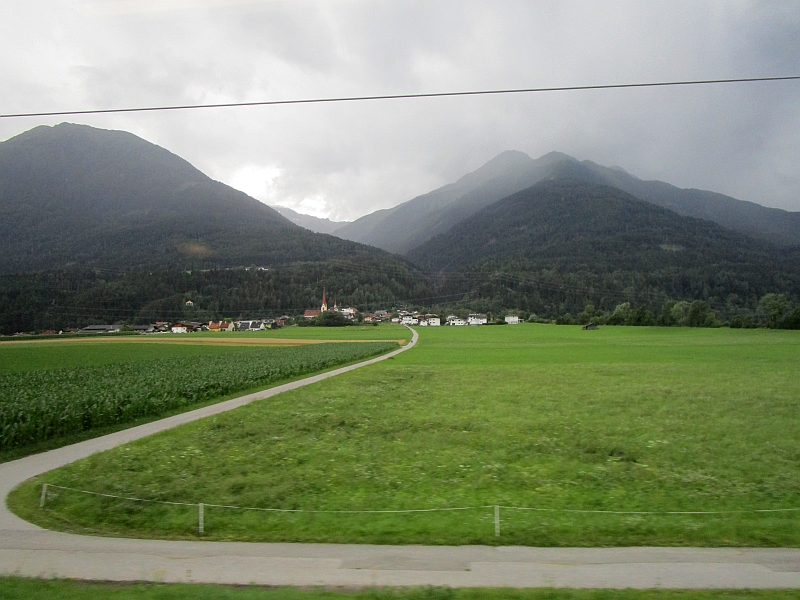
(346, 160)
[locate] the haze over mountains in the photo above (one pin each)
(315, 224)
(409, 225)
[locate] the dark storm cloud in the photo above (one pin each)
(347, 160)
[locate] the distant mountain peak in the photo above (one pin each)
(315, 224)
(501, 165)
(555, 156)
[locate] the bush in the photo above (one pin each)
(700, 315)
(793, 320)
(332, 319)
(743, 321)
(642, 316)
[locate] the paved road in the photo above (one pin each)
(31, 551)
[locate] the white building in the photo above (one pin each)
(431, 321)
(349, 312)
(512, 320)
(253, 325)
(409, 320)
(456, 322)
(477, 319)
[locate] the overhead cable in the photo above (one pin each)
(571, 88)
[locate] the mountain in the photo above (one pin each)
(314, 224)
(412, 223)
(408, 225)
(601, 242)
(772, 224)
(79, 197)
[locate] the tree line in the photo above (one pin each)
(57, 300)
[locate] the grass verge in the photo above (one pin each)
(15, 588)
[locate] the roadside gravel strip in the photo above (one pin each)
(28, 550)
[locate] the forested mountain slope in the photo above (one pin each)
(601, 240)
(772, 224)
(408, 225)
(76, 196)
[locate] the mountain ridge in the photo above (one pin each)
(310, 222)
(604, 245)
(78, 196)
(408, 225)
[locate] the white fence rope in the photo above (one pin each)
(497, 507)
(655, 512)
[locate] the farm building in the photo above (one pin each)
(430, 321)
(221, 326)
(348, 312)
(101, 329)
(256, 325)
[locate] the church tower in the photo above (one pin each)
(324, 307)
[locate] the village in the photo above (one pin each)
(399, 316)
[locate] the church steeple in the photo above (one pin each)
(324, 307)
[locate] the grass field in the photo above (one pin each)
(536, 416)
(23, 589)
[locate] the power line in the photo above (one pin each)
(573, 88)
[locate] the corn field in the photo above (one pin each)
(41, 405)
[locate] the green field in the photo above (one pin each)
(22, 589)
(57, 392)
(384, 331)
(31, 354)
(533, 416)
(42, 356)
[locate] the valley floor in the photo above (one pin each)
(616, 437)
(27, 550)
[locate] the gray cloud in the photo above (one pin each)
(349, 159)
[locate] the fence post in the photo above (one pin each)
(496, 521)
(200, 524)
(43, 497)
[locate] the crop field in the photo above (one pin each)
(46, 355)
(32, 353)
(621, 436)
(125, 384)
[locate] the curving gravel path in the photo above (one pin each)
(28, 550)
